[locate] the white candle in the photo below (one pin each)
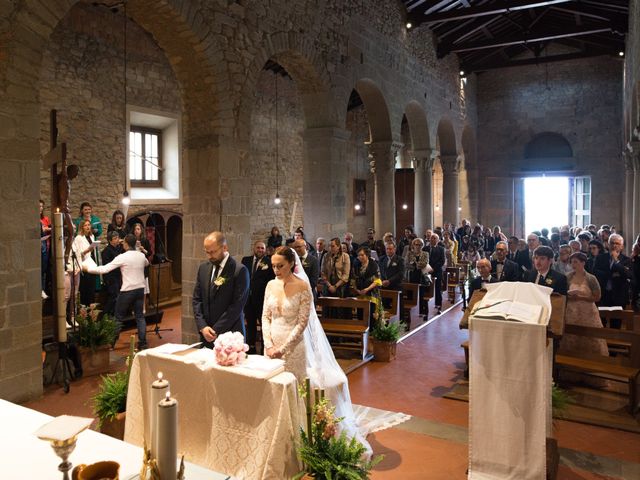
(159, 388)
(58, 267)
(168, 437)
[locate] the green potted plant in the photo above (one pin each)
(385, 336)
(326, 455)
(110, 402)
(94, 335)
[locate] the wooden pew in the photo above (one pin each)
(410, 302)
(628, 323)
(354, 328)
(453, 281)
(427, 294)
(622, 369)
(394, 297)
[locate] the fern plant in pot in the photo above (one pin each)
(95, 334)
(110, 402)
(385, 336)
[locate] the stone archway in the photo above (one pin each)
(469, 175)
(177, 29)
(422, 166)
(323, 202)
(382, 152)
(450, 163)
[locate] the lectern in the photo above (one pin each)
(510, 367)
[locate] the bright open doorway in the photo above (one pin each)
(546, 202)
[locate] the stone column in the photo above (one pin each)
(324, 183)
(382, 155)
(450, 194)
(628, 207)
(423, 191)
(634, 159)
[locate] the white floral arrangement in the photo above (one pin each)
(230, 349)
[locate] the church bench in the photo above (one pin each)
(621, 369)
(453, 281)
(410, 302)
(345, 321)
(427, 294)
(393, 298)
(628, 323)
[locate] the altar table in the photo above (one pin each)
(25, 456)
(227, 421)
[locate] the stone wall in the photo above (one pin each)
(203, 59)
(579, 99)
(82, 78)
(262, 166)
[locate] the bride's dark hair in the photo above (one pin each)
(288, 254)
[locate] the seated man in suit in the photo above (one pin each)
(260, 273)
(542, 274)
(391, 268)
(484, 269)
(503, 269)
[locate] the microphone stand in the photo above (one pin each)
(159, 247)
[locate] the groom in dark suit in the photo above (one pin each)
(221, 291)
(259, 267)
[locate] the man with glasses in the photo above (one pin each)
(221, 291)
(503, 269)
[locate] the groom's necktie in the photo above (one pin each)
(253, 268)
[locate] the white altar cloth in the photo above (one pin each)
(25, 456)
(509, 391)
(228, 420)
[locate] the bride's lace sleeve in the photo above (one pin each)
(267, 316)
(295, 336)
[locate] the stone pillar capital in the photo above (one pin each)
(450, 164)
(423, 163)
(381, 156)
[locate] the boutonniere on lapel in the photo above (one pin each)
(548, 281)
(394, 264)
(263, 266)
(218, 282)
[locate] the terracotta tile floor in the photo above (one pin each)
(427, 365)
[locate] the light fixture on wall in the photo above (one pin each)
(277, 200)
(409, 25)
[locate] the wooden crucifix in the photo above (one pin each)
(60, 182)
(60, 191)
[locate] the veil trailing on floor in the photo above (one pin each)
(324, 371)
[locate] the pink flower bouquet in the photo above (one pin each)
(230, 349)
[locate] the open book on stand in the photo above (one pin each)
(509, 310)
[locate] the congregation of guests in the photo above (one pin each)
(89, 247)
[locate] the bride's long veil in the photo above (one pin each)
(324, 371)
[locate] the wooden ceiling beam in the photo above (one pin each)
(529, 61)
(495, 8)
(444, 49)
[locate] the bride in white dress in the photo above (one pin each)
(292, 331)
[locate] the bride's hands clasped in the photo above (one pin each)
(273, 352)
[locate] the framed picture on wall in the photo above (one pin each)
(359, 197)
